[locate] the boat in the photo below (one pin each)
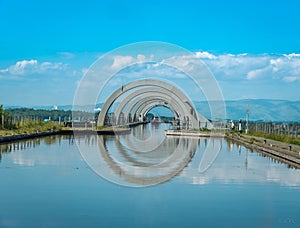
(156, 120)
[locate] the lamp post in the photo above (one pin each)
(247, 119)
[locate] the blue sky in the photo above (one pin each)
(252, 47)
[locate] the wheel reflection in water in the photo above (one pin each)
(113, 158)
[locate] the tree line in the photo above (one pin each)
(289, 128)
(14, 118)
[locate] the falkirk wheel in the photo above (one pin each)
(144, 95)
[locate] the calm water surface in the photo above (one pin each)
(46, 182)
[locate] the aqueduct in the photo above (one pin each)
(144, 95)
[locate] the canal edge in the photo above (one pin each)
(284, 155)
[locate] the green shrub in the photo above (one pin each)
(280, 138)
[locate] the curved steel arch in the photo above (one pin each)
(203, 122)
(185, 121)
(140, 109)
(170, 105)
(171, 90)
(166, 96)
(137, 93)
(153, 104)
(137, 102)
(136, 84)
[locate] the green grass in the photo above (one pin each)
(252, 140)
(32, 127)
(280, 138)
(100, 127)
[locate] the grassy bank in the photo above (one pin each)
(280, 138)
(32, 127)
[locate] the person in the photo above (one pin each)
(232, 125)
(240, 126)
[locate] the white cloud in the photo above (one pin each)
(291, 79)
(28, 67)
(51, 66)
(182, 61)
(3, 71)
(227, 67)
(292, 55)
(205, 55)
(20, 66)
(121, 61)
(254, 74)
(285, 67)
(150, 70)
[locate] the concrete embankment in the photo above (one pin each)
(9, 138)
(107, 131)
(116, 131)
(284, 152)
(190, 133)
(15, 137)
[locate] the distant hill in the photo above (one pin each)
(260, 109)
(54, 107)
(41, 107)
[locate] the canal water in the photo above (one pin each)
(144, 180)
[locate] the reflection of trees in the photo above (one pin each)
(18, 145)
(85, 139)
(32, 143)
(234, 146)
(50, 140)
